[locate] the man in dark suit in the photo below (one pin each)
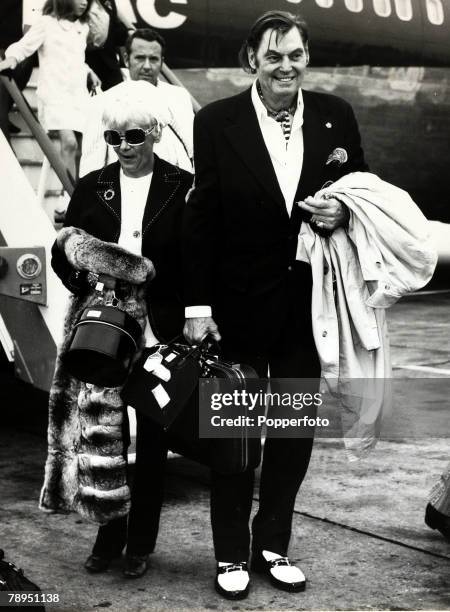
(260, 157)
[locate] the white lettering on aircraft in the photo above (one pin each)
(383, 8)
(147, 10)
(435, 12)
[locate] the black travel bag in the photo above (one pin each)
(174, 403)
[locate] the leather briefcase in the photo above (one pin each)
(174, 403)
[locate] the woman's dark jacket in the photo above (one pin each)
(96, 208)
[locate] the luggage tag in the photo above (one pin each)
(161, 396)
(153, 365)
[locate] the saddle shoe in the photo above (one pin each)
(282, 574)
(436, 520)
(232, 580)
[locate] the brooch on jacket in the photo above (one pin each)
(110, 193)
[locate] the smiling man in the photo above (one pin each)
(257, 155)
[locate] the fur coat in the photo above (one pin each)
(86, 467)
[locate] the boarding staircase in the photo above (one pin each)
(46, 183)
(30, 154)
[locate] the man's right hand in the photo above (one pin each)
(197, 328)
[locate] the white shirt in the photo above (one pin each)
(134, 195)
(287, 161)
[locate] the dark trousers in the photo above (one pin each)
(140, 529)
(285, 460)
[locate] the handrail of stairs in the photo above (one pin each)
(38, 132)
(171, 78)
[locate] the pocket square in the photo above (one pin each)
(339, 156)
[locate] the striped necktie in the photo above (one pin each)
(284, 116)
(285, 120)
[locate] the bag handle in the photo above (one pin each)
(105, 285)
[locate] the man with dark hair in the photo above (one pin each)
(150, 36)
(260, 157)
(144, 59)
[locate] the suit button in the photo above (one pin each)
(290, 268)
(136, 234)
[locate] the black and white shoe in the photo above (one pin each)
(282, 574)
(232, 580)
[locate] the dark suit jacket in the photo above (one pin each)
(94, 210)
(239, 243)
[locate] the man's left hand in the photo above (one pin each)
(327, 213)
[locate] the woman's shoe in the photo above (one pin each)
(232, 580)
(96, 564)
(436, 520)
(135, 566)
(282, 574)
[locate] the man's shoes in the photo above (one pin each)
(279, 570)
(135, 565)
(96, 564)
(232, 580)
(436, 520)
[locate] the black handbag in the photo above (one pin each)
(174, 403)
(104, 342)
(13, 580)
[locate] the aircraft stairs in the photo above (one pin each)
(30, 154)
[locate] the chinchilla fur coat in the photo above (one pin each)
(86, 468)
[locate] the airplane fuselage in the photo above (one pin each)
(208, 33)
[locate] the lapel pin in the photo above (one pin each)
(109, 194)
(328, 124)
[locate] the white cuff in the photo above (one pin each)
(191, 312)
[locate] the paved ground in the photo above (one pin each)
(358, 527)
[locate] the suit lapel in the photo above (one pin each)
(244, 135)
(108, 192)
(165, 183)
(317, 144)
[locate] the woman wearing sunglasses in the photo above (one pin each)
(136, 202)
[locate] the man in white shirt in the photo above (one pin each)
(144, 58)
(257, 155)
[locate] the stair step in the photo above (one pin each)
(26, 147)
(18, 120)
(32, 170)
(30, 96)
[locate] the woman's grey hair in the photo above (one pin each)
(135, 103)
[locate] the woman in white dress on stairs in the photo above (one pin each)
(59, 36)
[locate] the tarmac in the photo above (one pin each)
(358, 530)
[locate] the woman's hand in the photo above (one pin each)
(10, 63)
(93, 81)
